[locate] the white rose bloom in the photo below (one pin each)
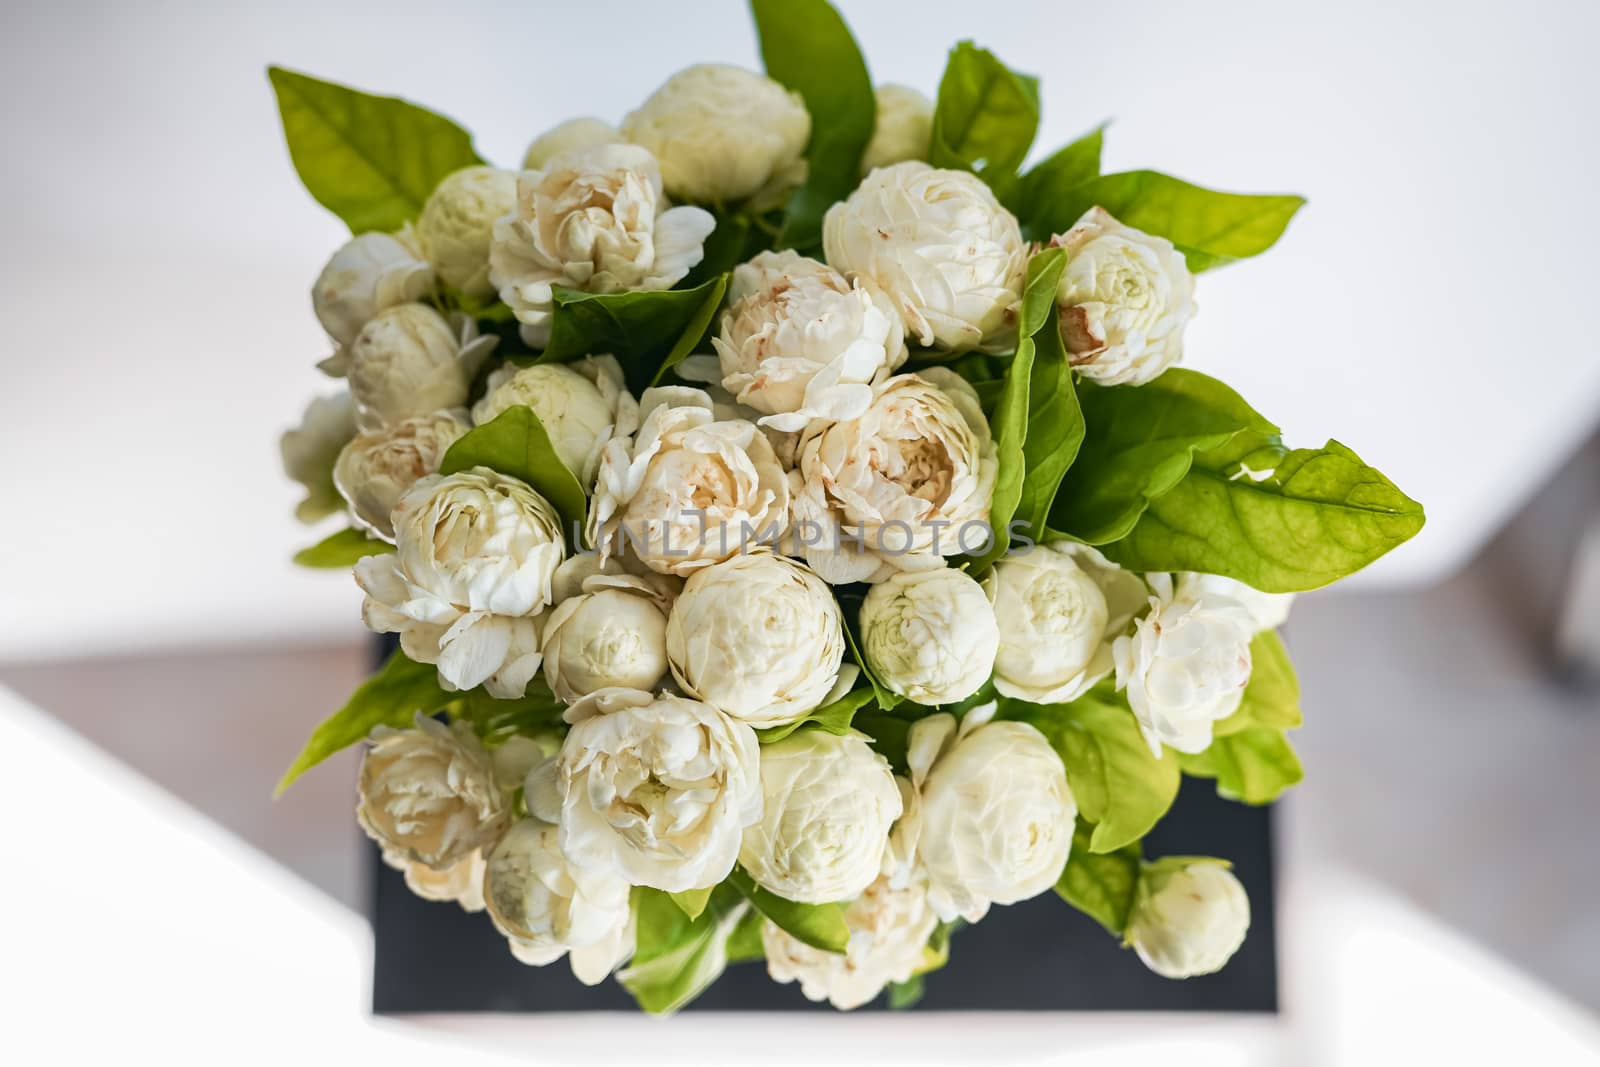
(799, 342)
(376, 468)
(907, 483)
(370, 273)
(472, 571)
(429, 794)
(723, 133)
(582, 405)
(310, 450)
(758, 637)
(689, 489)
(827, 805)
(1060, 607)
(457, 224)
(1268, 611)
(889, 932)
(574, 135)
(951, 259)
(903, 129)
(657, 789)
(460, 883)
(993, 818)
(930, 635)
(1185, 665)
(411, 360)
(1125, 298)
(1189, 920)
(593, 220)
(549, 908)
(612, 634)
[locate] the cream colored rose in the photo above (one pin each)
(574, 135)
(376, 468)
(1185, 665)
(1267, 611)
(457, 224)
(828, 803)
(993, 818)
(310, 450)
(429, 794)
(611, 634)
(549, 908)
(460, 883)
(657, 789)
(889, 932)
(903, 129)
(1188, 920)
(472, 572)
(930, 635)
(1059, 608)
(723, 133)
(593, 220)
(369, 273)
(950, 258)
(758, 637)
(1125, 298)
(410, 360)
(582, 405)
(689, 489)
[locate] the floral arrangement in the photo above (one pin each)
(798, 536)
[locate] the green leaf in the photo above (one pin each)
(1320, 515)
(692, 901)
(371, 160)
(694, 332)
(494, 719)
(1065, 169)
(676, 958)
(1254, 765)
(391, 697)
(1212, 229)
(1102, 885)
(903, 995)
(985, 117)
(1055, 428)
(889, 735)
(850, 608)
(1139, 443)
(1272, 699)
(821, 926)
(342, 549)
(515, 443)
(807, 47)
(733, 241)
(745, 941)
(834, 717)
(640, 328)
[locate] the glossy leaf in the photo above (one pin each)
(1254, 765)
(640, 328)
(676, 958)
(697, 328)
(985, 117)
(692, 901)
(1102, 885)
(341, 549)
(1060, 172)
(1055, 428)
(834, 717)
(515, 443)
(821, 926)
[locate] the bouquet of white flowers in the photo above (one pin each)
(798, 536)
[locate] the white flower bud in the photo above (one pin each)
(1268, 611)
(722, 133)
(930, 635)
(950, 258)
(613, 634)
(903, 129)
(409, 360)
(460, 883)
(1188, 920)
(310, 451)
(889, 932)
(574, 135)
(371, 272)
(377, 467)
(457, 224)
(581, 405)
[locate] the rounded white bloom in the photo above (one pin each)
(612, 634)
(410, 360)
(1268, 611)
(549, 908)
(429, 793)
(376, 468)
(457, 224)
(657, 789)
(722, 133)
(582, 405)
(827, 805)
(574, 135)
(1188, 920)
(903, 129)
(907, 483)
(460, 883)
(1185, 665)
(930, 635)
(993, 816)
(889, 932)
(593, 220)
(475, 555)
(799, 342)
(951, 259)
(758, 637)
(1125, 298)
(310, 450)
(369, 273)
(689, 489)
(1059, 608)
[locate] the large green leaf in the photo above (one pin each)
(1102, 885)
(341, 549)
(821, 926)
(1055, 427)
(1139, 443)
(371, 160)
(985, 117)
(515, 444)
(806, 46)
(676, 958)
(1254, 765)
(745, 941)
(1056, 175)
(696, 330)
(640, 328)
(1320, 515)
(1272, 699)
(835, 717)
(1211, 228)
